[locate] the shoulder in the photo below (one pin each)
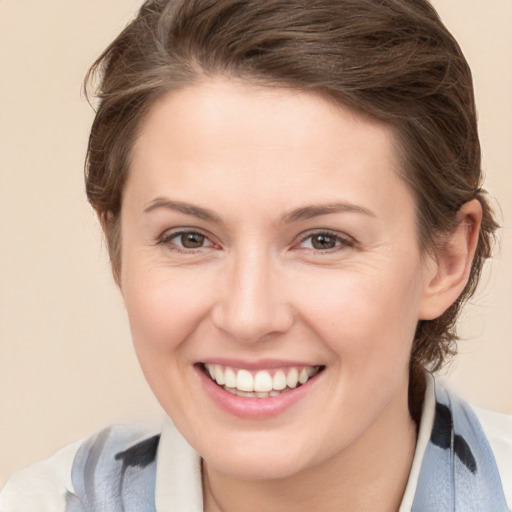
(56, 483)
(466, 463)
(498, 430)
(43, 487)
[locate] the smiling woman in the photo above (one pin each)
(291, 195)
(256, 300)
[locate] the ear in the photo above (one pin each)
(449, 268)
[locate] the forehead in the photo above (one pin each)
(282, 145)
(273, 115)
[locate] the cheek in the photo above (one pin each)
(164, 307)
(365, 315)
(164, 310)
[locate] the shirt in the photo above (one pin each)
(173, 469)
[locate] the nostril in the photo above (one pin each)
(246, 327)
(251, 305)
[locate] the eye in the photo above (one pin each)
(186, 240)
(325, 241)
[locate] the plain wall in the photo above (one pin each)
(66, 361)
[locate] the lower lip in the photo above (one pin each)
(254, 408)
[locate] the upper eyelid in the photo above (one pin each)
(167, 235)
(344, 243)
(330, 232)
(173, 232)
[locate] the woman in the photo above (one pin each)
(291, 195)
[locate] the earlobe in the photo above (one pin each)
(450, 266)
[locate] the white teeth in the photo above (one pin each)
(292, 379)
(262, 384)
(245, 382)
(244, 393)
(219, 375)
(279, 380)
(303, 376)
(230, 378)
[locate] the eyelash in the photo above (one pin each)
(168, 237)
(341, 242)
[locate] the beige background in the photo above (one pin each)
(66, 364)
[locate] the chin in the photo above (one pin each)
(255, 461)
(256, 467)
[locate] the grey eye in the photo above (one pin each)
(322, 241)
(191, 240)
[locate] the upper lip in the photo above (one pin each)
(260, 364)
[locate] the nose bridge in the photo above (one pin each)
(253, 304)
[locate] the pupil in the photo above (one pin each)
(192, 240)
(323, 242)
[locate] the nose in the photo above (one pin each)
(252, 304)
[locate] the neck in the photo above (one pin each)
(371, 474)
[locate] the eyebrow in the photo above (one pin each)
(309, 212)
(303, 213)
(181, 207)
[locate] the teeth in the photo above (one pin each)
(303, 376)
(229, 378)
(292, 379)
(244, 393)
(262, 384)
(219, 375)
(244, 381)
(279, 380)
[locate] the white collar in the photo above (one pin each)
(424, 432)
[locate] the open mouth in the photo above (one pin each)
(260, 383)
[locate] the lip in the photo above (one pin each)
(263, 364)
(253, 408)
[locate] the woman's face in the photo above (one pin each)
(266, 236)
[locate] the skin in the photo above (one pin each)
(259, 289)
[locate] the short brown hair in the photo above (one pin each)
(392, 59)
